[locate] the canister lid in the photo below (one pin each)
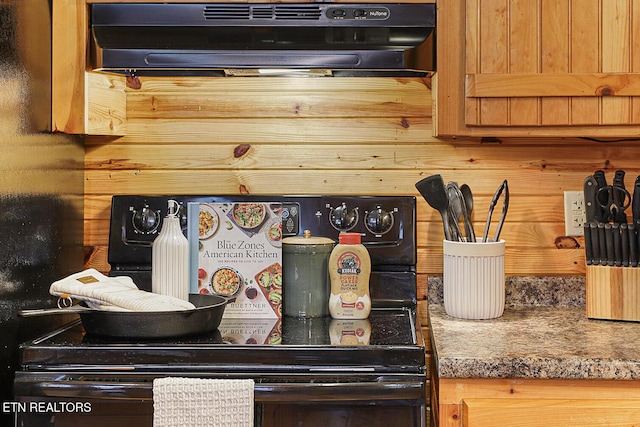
(307, 239)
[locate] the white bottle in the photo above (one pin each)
(349, 270)
(170, 257)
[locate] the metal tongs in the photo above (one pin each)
(504, 188)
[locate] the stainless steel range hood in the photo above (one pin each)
(194, 38)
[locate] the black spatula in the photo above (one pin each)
(433, 190)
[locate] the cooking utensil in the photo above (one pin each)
(614, 199)
(433, 190)
(458, 209)
(503, 188)
(468, 202)
(455, 210)
(468, 197)
(204, 318)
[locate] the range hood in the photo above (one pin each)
(187, 38)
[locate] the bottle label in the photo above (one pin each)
(348, 263)
(349, 297)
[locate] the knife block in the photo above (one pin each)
(613, 293)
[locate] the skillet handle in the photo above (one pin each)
(37, 312)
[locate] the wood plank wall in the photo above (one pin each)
(363, 136)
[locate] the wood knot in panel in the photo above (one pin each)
(133, 82)
(566, 242)
(605, 91)
(241, 150)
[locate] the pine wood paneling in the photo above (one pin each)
(585, 50)
(204, 136)
(69, 39)
(635, 57)
(545, 412)
(518, 50)
(493, 57)
(523, 57)
(281, 130)
(294, 98)
(578, 85)
(554, 56)
(251, 1)
(106, 104)
(464, 401)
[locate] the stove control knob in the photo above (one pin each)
(146, 221)
(342, 218)
(378, 221)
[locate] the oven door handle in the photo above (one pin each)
(263, 392)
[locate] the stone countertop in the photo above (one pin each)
(540, 337)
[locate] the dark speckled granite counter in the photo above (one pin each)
(543, 333)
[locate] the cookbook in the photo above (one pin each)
(236, 252)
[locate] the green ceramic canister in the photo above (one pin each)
(305, 275)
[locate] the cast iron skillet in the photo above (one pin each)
(146, 324)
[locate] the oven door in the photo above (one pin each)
(336, 399)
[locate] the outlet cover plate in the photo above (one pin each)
(574, 213)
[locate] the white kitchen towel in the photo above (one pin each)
(199, 402)
(114, 293)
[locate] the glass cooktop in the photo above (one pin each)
(388, 338)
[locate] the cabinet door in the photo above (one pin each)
(552, 62)
(549, 412)
(542, 68)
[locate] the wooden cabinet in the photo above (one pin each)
(544, 68)
(536, 402)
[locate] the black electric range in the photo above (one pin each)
(379, 366)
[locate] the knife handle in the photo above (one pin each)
(602, 242)
(635, 201)
(601, 182)
(590, 205)
(608, 236)
(617, 244)
(595, 243)
(624, 235)
(588, 250)
(633, 246)
(618, 179)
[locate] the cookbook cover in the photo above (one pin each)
(236, 251)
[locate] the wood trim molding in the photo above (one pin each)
(502, 85)
(69, 39)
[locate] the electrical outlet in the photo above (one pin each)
(574, 214)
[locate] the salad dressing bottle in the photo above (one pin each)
(349, 271)
(170, 257)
